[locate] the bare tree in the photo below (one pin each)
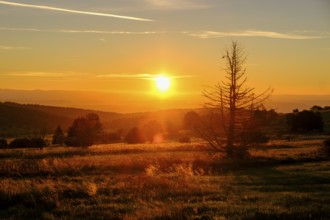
(231, 104)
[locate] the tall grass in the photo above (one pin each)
(163, 181)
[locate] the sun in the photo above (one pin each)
(163, 83)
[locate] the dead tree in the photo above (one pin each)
(231, 104)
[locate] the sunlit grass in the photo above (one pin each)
(164, 181)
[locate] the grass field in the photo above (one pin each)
(284, 180)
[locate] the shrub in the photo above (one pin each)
(85, 131)
(184, 139)
(325, 149)
(27, 143)
(109, 138)
(3, 143)
(254, 137)
(20, 143)
(58, 136)
(38, 142)
(304, 121)
(135, 136)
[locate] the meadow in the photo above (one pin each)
(282, 180)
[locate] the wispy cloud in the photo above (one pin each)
(177, 4)
(44, 7)
(126, 75)
(81, 31)
(4, 47)
(254, 33)
(144, 76)
(46, 74)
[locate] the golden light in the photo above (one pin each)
(163, 83)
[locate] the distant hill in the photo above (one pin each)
(29, 119)
(26, 119)
(140, 102)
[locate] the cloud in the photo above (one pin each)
(4, 47)
(177, 4)
(81, 31)
(43, 7)
(144, 76)
(125, 75)
(254, 33)
(46, 74)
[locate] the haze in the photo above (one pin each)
(117, 47)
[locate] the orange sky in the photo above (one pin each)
(66, 45)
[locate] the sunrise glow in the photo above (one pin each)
(163, 83)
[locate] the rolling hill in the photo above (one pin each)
(27, 119)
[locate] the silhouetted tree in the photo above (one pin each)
(58, 136)
(20, 143)
(325, 148)
(326, 108)
(3, 143)
(316, 108)
(135, 136)
(191, 120)
(304, 121)
(234, 103)
(262, 118)
(110, 137)
(153, 131)
(28, 143)
(84, 131)
(38, 142)
(172, 130)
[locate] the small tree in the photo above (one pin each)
(84, 131)
(191, 120)
(3, 143)
(304, 121)
(58, 136)
(135, 136)
(231, 104)
(20, 143)
(153, 131)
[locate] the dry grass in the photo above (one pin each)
(286, 180)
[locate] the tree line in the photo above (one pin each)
(234, 119)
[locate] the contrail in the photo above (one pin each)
(71, 11)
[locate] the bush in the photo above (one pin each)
(254, 137)
(325, 149)
(38, 142)
(20, 143)
(58, 136)
(304, 121)
(27, 143)
(184, 139)
(3, 143)
(85, 131)
(110, 138)
(135, 136)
